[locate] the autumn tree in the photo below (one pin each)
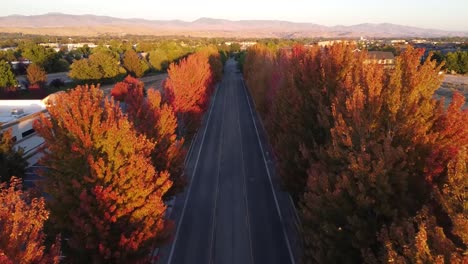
(214, 59)
(121, 89)
(22, 218)
(385, 167)
(36, 75)
(12, 162)
(285, 99)
(157, 121)
(106, 196)
(258, 69)
(188, 89)
(371, 173)
(133, 64)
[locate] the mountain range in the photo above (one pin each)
(92, 25)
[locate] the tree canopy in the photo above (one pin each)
(377, 166)
(99, 65)
(22, 219)
(105, 193)
(133, 64)
(7, 77)
(36, 75)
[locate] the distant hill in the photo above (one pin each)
(73, 25)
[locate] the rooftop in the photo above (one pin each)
(381, 55)
(12, 110)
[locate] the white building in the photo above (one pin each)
(19, 116)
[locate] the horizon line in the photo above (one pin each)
(236, 20)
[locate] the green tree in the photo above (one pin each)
(7, 77)
(83, 70)
(158, 60)
(106, 65)
(438, 56)
(36, 53)
(457, 62)
(12, 162)
(452, 62)
(8, 55)
(47, 58)
(105, 50)
(235, 47)
(98, 66)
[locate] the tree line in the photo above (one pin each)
(454, 62)
(110, 163)
(377, 166)
(106, 63)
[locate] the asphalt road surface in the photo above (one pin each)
(229, 213)
(50, 77)
(153, 81)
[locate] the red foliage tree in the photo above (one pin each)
(385, 163)
(22, 218)
(106, 195)
(188, 89)
(157, 121)
(121, 89)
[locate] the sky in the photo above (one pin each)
(447, 15)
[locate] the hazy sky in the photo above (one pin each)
(444, 14)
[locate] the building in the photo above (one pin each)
(327, 43)
(385, 58)
(19, 116)
(244, 45)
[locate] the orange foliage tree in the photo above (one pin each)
(214, 59)
(157, 121)
(106, 197)
(385, 164)
(258, 69)
(36, 75)
(22, 218)
(188, 89)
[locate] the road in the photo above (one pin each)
(150, 81)
(50, 77)
(230, 212)
(452, 83)
(153, 81)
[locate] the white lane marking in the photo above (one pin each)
(190, 150)
(291, 257)
(213, 230)
(246, 200)
(191, 181)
